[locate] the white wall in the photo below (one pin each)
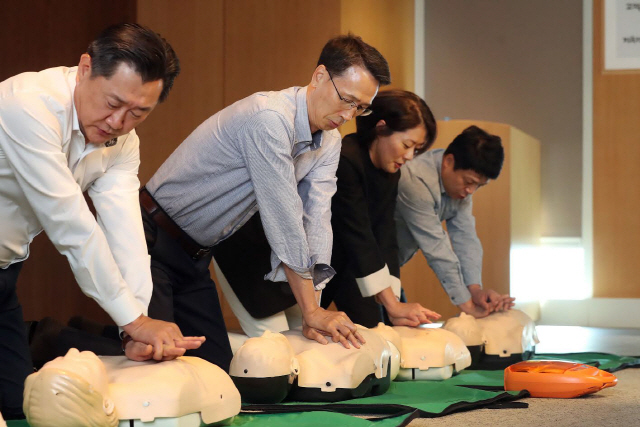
(517, 62)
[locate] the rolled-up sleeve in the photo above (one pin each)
(466, 244)
(416, 209)
(265, 144)
(40, 167)
(316, 190)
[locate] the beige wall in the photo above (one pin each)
(616, 155)
(195, 30)
(517, 62)
(389, 27)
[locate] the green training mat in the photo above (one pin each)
(605, 361)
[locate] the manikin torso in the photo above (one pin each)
(187, 391)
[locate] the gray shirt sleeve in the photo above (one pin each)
(267, 151)
(420, 221)
(316, 190)
(465, 242)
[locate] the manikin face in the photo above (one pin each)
(460, 183)
(86, 365)
(389, 153)
(70, 391)
(326, 110)
(108, 108)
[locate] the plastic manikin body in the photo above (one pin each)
(263, 374)
(316, 372)
(426, 353)
(81, 389)
(498, 340)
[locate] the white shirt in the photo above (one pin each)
(45, 166)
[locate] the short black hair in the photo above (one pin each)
(477, 150)
(150, 55)
(343, 52)
(401, 110)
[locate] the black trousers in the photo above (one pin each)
(15, 359)
(184, 293)
(365, 311)
(344, 292)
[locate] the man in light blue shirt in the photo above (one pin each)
(272, 152)
(438, 186)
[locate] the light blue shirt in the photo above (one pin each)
(422, 205)
(258, 154)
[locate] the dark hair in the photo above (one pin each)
(343, 52)
(401, 110)
(145, 51)
(477, 150)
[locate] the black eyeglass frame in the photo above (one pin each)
(360, 110)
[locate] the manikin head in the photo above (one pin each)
(502, 333)
(508, 332)
(127, 70)
(81, 389)
(400, 127)
(470, 161)
(264, 368)
(345, 82)
(70, 391)
(466, 327)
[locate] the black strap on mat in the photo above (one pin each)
(374, 412)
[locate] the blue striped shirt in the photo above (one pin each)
(258, 154)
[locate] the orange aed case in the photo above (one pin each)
(554, 378)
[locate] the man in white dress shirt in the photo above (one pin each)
(64, 131)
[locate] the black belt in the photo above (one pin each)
(160, 217)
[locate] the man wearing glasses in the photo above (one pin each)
(275, 153)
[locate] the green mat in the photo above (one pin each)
(605, 361)
(406, 401)
(421, 399)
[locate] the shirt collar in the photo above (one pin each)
(437, 157)
(302, 128)
(71, 80)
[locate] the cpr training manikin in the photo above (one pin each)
(82, 389)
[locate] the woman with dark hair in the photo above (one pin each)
(365, 250)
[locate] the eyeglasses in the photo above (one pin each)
(360, 110)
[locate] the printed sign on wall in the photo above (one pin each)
(622, 35)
